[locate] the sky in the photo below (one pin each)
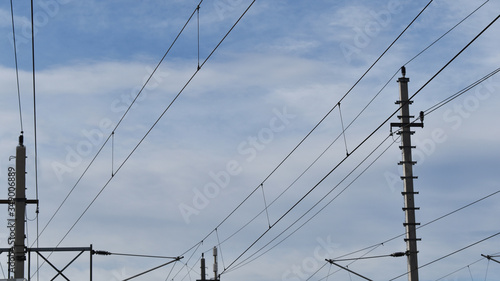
(207, 153)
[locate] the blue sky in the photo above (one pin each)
(275, 76)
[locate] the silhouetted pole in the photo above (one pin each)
(20, 203)
(408, 192)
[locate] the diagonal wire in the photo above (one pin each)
(17, 68)
(364, 141)
(317, 203)
(322, 119)
(450, 254)
(154, 124)
(121, 119)
(461, 92)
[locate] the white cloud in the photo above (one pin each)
(227, 117)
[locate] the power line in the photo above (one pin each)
(156, 122)
(458, 54)
(17, 68)
(461, 92)
(450, 254)
(423, 225)
(121, 119)
(244, 262)
(106, 253)
(391, 116)
(320, 122)
(365, 254)
(358, 115)
(35, 124)
(360, 144)
(459, 269)
(446, 33)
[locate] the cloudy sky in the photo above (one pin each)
(203, 157)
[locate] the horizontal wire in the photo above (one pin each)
(450, 254)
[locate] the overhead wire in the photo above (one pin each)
(461, 92)
(452, 59)
(17, 67)
(459, 269)
(352, 262)
(449, 30)
(364, 141)
(319, 123)
(373, 247)
(425, 224)
(123, 116)
(425, 49)
(250, 259)
(106, 141)
(450, 254)
(357, 116)
(35, 126)
(354, 118)
(127, 158)
(156, 122)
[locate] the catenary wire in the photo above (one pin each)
(423, 225)
(450, 254)
(428, 223)
(435, 41)
(357, 116)
(451, 61)
(352, 262)
(244, 262)
(339, 135)
(121, 119)
(320, 122)
(363, 142)
(156, 122)
(458, 54)
(35, 126)
(446, 33)
(459, 269)
(17, 68)
(365, 107)
(461, 92)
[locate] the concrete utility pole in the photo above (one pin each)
(203, 273)
(19, 253)
(408, 192)
(216, 266)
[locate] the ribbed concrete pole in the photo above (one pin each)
(19, 246)
(408, 191)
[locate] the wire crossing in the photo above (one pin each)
(363, 142)
(155, 123)
(321, 121)
(198, 68)
(450, 254)
(122, 118)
